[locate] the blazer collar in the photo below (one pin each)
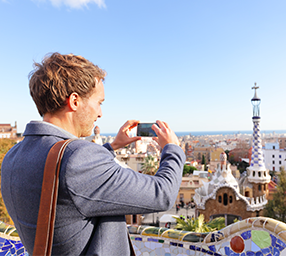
(43, 128)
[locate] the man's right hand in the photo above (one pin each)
(165, 134)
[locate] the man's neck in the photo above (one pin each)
(62, 120)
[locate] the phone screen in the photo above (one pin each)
(145, 130)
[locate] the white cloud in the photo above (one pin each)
(77, 4)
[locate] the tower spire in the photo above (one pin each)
(255, 102)
(257, 172)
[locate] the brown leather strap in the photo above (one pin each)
(47, 210)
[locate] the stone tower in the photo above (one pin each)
(258, 175)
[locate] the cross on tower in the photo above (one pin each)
(255, 87)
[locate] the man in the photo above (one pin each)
(97, 138)
(95, 192)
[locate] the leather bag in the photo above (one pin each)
(47, 210)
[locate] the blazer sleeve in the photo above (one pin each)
(99, 186)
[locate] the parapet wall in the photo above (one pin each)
(250, 237)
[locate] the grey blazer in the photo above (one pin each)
(95, 193)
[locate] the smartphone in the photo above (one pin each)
(145, 130)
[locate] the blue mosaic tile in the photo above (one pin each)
(276, 252)
(246, 235)
(281, 248)
(265, 250)
(210, 253)
(138, 238)
(250, 254)
(243, 254)
(212, 248)
(21, 251)
(259, 254)
(217, 254)
(18, 246)
(204, 250)
(192, 247)
(227, 251)
(152, 240)
(7, 247)
(281, 244)
(273, 242)
(234, 254)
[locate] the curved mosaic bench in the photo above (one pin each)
(250, 237)
(10, 243)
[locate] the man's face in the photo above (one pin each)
(90, 110)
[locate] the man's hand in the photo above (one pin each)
(165, 134)
(122, 138)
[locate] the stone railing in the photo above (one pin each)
(250, 237)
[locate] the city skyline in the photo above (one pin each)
(191, 64)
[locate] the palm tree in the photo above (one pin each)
(150, 165)
(198, 225)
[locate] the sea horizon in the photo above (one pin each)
(205, 133)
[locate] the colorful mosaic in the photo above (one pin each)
(251, 237)
(257, 155)
(10, 244)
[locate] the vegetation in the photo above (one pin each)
(276, 208)
(241, 165)
(188, 169)
(150, 165)
(203, 159)
(199, 225)
(5, 145)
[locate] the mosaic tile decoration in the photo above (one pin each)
(10, 243)
(257, 155)
(250, 237)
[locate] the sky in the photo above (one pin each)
(191, 63)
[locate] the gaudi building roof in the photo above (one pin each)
(224, 178)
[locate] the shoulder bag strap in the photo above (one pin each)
(47, 210)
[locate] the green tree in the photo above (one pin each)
(5, 145)
(188, 169)
(276, 208)
(150, 165)
(203, 159)
(199, 225)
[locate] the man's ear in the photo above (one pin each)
(73, 101)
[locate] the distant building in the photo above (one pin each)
(239, 199)
(282, 142)
(198, 153)
(215, 158)
(275, 158)
(189, 185)
(241, 151)
(8, 131)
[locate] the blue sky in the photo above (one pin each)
(191, 63)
